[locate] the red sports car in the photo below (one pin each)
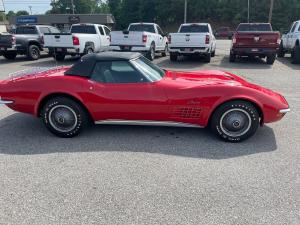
(126, 88)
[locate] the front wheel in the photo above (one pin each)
(235, 121)
(207, 58)
(151, 53)
(281, 52)
(64, 117)
(296, 55)
(165, 52)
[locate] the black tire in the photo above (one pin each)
(235, 121)
(271, 59)
(213, 54)
(64, 117)
(165, 52)
(296, 55)
(88, 50)
(281, 52)
(173, 57)
(232, 57)
(151, 53)
(207, 58)
(59, 56)
(33, 52)
(10, 55)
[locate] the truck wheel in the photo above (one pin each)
(296, 55)
(59, 56)
(10, 55)
(165, 52)
(151, 53)
(213, 54)
(207, 58)
(235, 121)
(173, 57)
(88, 50)
(281, 52)
(271, 59)
(232, 57)
(33, 52)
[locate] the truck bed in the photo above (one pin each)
(59, 40)
(188, 39)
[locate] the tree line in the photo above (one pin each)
(170, 13)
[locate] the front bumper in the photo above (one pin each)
(189, 50)
(126, 48)
(284, 111)
(5, 102)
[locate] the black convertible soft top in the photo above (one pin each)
(85, 65)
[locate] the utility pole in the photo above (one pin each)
(73, 6)
(30, 9)
(271, 11)
(185, 10)
(248, 11)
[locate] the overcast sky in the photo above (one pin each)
(38, 6)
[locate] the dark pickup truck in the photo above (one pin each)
(27, 40)
(255, 40)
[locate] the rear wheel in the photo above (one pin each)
(271, 59)
(232, 57)
(10, 55)
(207, 58)
(235, 121)
(88, 50)
(64, 117)
(33, 52)
(59, 56)
(213, 54)
(296, 55)
(173, 57)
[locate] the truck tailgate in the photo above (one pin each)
(188, 39)
(133, 38)
(58, 40)
(5, 41)
(257, 39)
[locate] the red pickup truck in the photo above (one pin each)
(255, 40)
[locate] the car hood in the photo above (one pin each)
(205, 77)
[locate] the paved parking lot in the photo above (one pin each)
(154, 175)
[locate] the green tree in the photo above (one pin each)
(22, 13)
(81, 6)
(10, 14)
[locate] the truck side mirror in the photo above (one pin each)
(125, 31)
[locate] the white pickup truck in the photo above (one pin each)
(290, 43)
(193, 39)
(82, 39)
(147, 38)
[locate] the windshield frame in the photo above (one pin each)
(136, 63)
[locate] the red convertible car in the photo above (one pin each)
(126, 88)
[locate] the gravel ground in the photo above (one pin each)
(154, 175)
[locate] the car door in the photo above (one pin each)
(122, 93)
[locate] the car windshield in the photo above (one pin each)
(83, 29)
(142, 27)
(254, 27)
(26, 30)
(148, 69)
(194, 28)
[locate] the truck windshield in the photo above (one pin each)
(142, 27)
(194, 28)
(83, 29)
(254, 27)
(26, 30)
(148, 69)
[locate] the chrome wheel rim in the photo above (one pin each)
(34, 53)
(235, 122)
(63, 118)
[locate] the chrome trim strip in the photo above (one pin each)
(284, 110)
(4, 102)
(147, 123)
